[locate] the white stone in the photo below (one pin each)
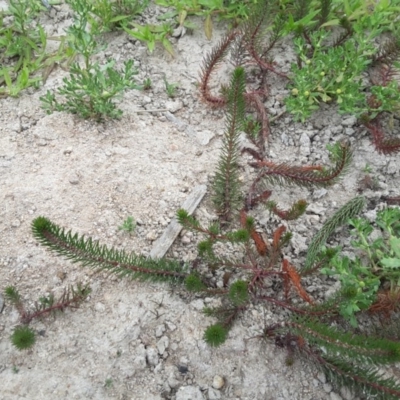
(218, 382)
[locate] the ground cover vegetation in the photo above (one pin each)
(363, 39)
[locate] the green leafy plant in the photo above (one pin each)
(151, 34)
(90, 92)
(108, 15)
(23, 337)
(129, 225)
(23, 44)
(373, 281)
(233, 10)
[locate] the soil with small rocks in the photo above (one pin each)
(134, 340)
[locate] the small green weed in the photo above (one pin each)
(367, 169)
(129, 225)
(108, 383)
(152, 34)
(170, 88)
(147, 84)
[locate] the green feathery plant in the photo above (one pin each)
(341, 217)
(24, 337)
(226, 184)
(248, 270)
(346, 358)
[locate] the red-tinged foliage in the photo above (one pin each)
(293, 213)
(261, 246)
(277, 237)
(387, 301)
(292, 277)
(252, 200)
(382, 144)
(395, 200)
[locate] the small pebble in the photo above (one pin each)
(16, 223)
(218, 382)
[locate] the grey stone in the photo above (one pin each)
(100, 307)
(350, 121)
(139, 363)
(334, 396)
(173, 383)
(7, 148)
(204, 137)
(319, 193)
(160, 330)
(332, 290)
(298, 243)
(73, 179)
(346, 393)
(152, 356)
(321, 376)
(1, 303)
(316, 208)
(304, 144)
(213, 394)
(173, 106)
(197, 304)
(393, 167)
(189, 393)
(327, 387)
(349, 131)
(162, 345)
(16, 223)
